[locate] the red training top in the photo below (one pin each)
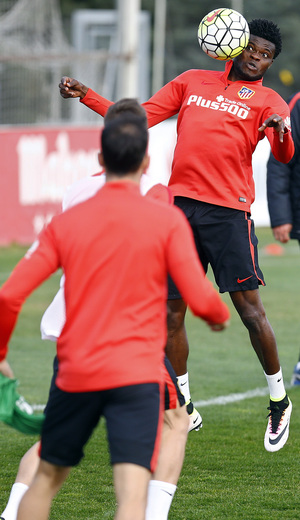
(217, 130)
(115, 249)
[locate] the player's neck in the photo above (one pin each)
(129, 177)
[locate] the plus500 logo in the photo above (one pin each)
(233, 109)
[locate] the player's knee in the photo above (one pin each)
(177, 420)
(175, 316)
(254, 319)
(51, 475)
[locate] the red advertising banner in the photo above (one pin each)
(38, 164)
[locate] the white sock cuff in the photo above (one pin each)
(276, 386)
(166, 486)
(16, 494)
(20, 486)
(184, 386)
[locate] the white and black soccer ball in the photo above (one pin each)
(223, 34)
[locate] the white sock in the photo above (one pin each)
(160, 496)
(16, 494)
(276, 386)
(184, 387)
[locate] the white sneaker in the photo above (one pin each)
(278, 425)
(195, 417)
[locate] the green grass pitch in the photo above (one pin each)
(227, 474)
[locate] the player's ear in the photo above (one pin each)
(100, 159)
(146, 162)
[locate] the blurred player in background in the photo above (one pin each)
(283, 194)
(221, 118)
(163, 484)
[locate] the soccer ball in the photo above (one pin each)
(223, 34)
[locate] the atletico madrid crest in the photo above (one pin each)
(246, 93)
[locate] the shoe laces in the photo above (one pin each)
(276, 414)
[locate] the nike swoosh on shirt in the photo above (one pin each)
(244, 279)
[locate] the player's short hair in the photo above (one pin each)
(268, 31)
(125, 106)
(124, 143)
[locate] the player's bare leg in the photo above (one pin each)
(177, 347)
(262, 337)
(250, 308)
(177, 351)
(164, 480)
(131, 487)
(28, 465)
(36, 502)
(172, 447)
(26, 471)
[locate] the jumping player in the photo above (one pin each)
(221, 118)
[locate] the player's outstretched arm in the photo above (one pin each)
(72, 88)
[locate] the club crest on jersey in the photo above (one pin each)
(246, 93)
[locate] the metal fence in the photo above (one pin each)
(35, 54)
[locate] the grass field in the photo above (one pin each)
(227, 474)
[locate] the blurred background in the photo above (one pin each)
(118, 48)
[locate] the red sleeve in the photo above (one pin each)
(96, 102)
(284, 151)
(164, 104)
(189, 276)
(38, 264)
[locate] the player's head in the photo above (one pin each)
(268, 31)
(125, 106)
(124, 143)
(264, 45)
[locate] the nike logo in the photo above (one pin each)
(244, 279)
(213, 16)
(278, 380)
(182, 384)
(278, 438)
(195, 420)
(171, 494)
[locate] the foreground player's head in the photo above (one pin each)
(125, 106)
(124, 142)
(268, 31)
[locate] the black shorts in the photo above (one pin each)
(172, 391)
(133, 420)
(225, 238)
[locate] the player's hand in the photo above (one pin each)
(5, 369)
(277, 123)
(71, 88)
(217, 327)
(282, 233)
